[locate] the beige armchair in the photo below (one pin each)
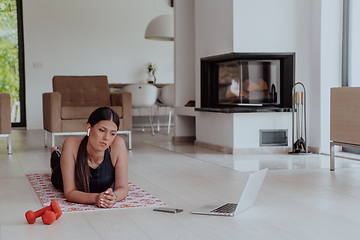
(74, 98)
(5, 118)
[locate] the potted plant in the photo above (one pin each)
(151, 69)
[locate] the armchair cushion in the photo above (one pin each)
(84, 112)
(82, 90)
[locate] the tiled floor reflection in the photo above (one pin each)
(245, 163)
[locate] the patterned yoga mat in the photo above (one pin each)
(47, 192)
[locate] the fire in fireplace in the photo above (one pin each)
(253, 80)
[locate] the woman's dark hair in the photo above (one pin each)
(82, 171)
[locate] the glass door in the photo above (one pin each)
(12, 58)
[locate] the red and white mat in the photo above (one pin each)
(46, 192)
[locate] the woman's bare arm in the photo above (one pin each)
(121, 170)
(120, 160)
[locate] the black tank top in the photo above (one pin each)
(102, 177)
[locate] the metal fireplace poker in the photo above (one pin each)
(300, 146)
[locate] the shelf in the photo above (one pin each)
(185, 111)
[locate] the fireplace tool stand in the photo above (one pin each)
(300, 146)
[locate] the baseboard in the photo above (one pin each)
(314, 150)
(218, 148)
(259, 150)
(184, 139)
(263, 150)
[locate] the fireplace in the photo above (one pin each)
(237, 82)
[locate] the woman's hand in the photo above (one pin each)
(106, 199)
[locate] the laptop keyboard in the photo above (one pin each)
(227, 208)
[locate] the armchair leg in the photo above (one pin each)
(130, 146)
(128, 133)
(52, 139)
(9, 144)
(45, 139)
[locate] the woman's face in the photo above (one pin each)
(102, 134)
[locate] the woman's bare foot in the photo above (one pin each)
(54, 148)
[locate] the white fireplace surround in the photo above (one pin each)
(239, 132)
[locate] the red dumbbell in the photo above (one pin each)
(49, 217)
(54, 206)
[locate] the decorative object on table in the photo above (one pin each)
(151, 69)
(300, 146)
(46, 192)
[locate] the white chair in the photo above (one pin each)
(166, 100)
(143, 95)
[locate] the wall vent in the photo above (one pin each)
(275, 137)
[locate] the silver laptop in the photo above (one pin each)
(247, 199)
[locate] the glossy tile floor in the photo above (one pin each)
(245, 163)
(300, 197)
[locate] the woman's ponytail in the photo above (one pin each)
(82, 171)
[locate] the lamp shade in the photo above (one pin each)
(161, 28)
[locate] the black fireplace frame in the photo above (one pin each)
(210, 84)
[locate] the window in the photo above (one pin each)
(12, 58)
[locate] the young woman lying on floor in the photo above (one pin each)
(93, 170)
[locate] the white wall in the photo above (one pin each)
(313, 90)
(213, 36)
(184, 51)
(325, 68)
(354, 48)
(184, 46)
(213, 32)
(274, 26)
(330, 66)
(86, 37)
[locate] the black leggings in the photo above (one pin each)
(56, 176)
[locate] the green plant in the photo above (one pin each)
(9, 64)
(151, 68)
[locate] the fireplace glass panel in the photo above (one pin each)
(249, 82)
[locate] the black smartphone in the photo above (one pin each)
(168, 210)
